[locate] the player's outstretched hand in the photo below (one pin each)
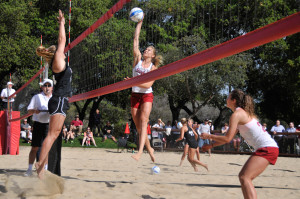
(205, 147)
(204, 136)
(61, 17)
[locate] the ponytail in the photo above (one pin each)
(244, 101)
(183, 120)
(158, 59)
(47, 54)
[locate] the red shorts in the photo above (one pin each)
(270, 153)
(137, 99)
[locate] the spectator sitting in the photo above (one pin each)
(159, 125)
(70, 136)
(29, 135)
(65, 132)
(88, 136)
(76, 126)
(278, 138)
(108, 132)
(25, 128)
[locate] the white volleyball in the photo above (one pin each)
(136, 14)
(155, 170)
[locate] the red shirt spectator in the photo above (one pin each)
(77, 121)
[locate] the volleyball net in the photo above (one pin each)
(188, 34)
(101, 57)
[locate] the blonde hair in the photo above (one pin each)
(47, 54)
(158, 59)
(183, 120)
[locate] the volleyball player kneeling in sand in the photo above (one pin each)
(58, 104)
(244, 120)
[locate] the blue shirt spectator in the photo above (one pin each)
(277, 128)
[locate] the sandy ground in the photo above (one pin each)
(104, 173)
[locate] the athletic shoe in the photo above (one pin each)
(28, 173)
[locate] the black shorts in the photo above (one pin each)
(193, 144)
(58, 105)
(40, 131)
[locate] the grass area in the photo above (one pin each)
(109, 143)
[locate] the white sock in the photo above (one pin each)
(46, 167)
(30, 167)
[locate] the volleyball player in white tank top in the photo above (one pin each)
(244, 120)
(142, 97)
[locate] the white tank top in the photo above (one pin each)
(255, 135)
(139, 70)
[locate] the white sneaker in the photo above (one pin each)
(28, 173)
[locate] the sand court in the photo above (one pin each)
(105, 173)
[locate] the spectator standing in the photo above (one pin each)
(224, 130)
(278, 128)
(291, 139)
(212, 128)
(204, 128)
(265, 126)
(168, 134)
(97, 123)
(38, 106)
(108, 132)
(6, 92)
(76, 126)
(133, 131)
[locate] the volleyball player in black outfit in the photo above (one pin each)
(191, 137)
(58, 104)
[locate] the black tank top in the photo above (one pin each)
(62, 87)
(190, 137)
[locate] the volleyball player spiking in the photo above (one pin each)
(142, 96)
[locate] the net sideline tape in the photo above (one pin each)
(281, 28)
(28, 82)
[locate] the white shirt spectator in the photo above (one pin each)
(203, 128)
(6, 92)
(159, 126)
(40, 102)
